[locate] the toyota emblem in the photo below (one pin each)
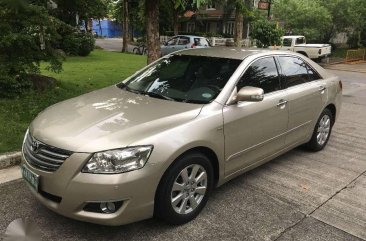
(35, 146)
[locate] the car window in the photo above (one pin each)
(312, 74)
(294, 69)
(183, 41)
(172, 41)
(183, 78)
(198, 42)
(287, 42)
(204, 42)
(300, 41)
(263, 74)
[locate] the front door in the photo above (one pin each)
(256, 130)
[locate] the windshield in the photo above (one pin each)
(183, 78)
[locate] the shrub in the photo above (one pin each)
(11, 86)
(78, 44)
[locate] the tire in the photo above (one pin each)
(175, 206)
(322, 131)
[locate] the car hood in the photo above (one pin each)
(106, 119)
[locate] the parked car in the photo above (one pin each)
(298, 44)
(157, 143)
(184, 42)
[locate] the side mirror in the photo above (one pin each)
(250, 94)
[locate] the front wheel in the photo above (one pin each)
(321, 131)
(184, 189)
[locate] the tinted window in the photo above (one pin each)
(287, 42)
(295, 70)
(300, 41)
(194, 79)
(263, 74)
(183, 41)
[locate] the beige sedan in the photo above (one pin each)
(157, 143)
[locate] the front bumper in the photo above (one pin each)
(136, 189)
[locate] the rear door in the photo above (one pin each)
(256, 130)
(183, 43)
(307, 95)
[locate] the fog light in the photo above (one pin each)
(108, 207)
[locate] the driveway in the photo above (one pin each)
(297, 196)
(112, 44)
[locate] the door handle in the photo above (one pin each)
(322, 89)
(282, 104)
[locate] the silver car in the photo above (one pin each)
(181, 42)
(157, 143)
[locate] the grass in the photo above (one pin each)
(80, 75)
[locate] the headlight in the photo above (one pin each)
(119, 160)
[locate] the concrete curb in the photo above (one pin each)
(10, 159)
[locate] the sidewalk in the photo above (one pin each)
(361, 68)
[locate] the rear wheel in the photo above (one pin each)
(184, 189)
(321, 131)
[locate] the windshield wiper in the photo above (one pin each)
(124, 86)
(157, 95)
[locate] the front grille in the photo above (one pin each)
(43, 156)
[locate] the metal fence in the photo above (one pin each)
(355, 56)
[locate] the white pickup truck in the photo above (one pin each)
(298, 44)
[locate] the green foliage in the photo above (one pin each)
(80, 75)
(305, 17)
(266, 33)
(67, 9)
(78, 44)
(28, 36)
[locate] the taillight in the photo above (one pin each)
(193, 46)
(340, 85)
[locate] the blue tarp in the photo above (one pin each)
(107, 28)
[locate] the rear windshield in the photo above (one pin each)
(192, 79)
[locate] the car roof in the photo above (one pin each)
(228, 52)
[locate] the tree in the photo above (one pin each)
(152, 30)
(67, 10)
(28, 36)
(306, 17)
(266, 33)
(242, 9)
(125, 25)
(152, 26)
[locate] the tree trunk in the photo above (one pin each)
(175, 22)
(238, 35)
(125, 26)
(152, 30)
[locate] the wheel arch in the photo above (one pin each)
(208, 152)
(332, 109)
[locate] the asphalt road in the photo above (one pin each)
(298, 196)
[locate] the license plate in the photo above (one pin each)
(30, 177)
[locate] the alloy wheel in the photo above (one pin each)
(189, 189)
